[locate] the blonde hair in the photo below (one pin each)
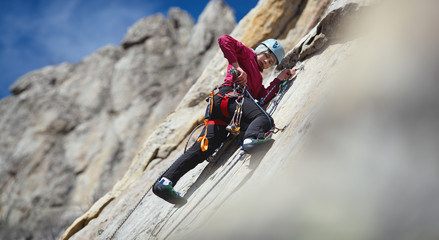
(261, 49)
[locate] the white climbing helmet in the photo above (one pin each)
(275, 47)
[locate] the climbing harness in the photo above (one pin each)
(234, 126)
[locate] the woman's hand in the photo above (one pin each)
(286, 74)
(242, 78)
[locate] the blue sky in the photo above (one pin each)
(37, 33)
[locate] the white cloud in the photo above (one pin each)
(63, 31)
(73, 31)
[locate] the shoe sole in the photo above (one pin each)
(251, 146)
(163, 193)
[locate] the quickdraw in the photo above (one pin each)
(235, 123)
(234, 126)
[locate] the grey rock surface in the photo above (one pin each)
(357, 160)
(70, 131)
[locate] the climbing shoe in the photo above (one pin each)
(165, 191)
(249, 143)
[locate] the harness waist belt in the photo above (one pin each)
(216, 122)
(224, 103)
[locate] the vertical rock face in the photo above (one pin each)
(357, 159)
(104, 217)
(71, 130)
(358, 156)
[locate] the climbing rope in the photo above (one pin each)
(241, 156)
(190, 135)
(282, 90)
(269, 92)
(283, 87)
(129, 214)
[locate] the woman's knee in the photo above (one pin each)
(264, 119)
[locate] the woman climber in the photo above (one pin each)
(249, 63)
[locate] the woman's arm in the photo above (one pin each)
(233, 50)
(284, 75)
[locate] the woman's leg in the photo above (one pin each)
(259, 123)
(216, 134)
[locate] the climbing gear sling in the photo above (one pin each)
(234, 126)
(235, 123)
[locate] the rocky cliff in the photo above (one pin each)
(347, 165)
(358, 156)
(290, 21)
(70, 131)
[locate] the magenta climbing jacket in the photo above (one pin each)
(235, 51)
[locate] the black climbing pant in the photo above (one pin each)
(258, 125)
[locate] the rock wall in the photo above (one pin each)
(358, 157)
(165, 144)
(71, 130)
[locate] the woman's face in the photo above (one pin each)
(265, 60)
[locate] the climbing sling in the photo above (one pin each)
(204, 142)
(234, 126)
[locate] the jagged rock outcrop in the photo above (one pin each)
(70, 131)
(357, 160)
(342, 167)
(170, 134)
